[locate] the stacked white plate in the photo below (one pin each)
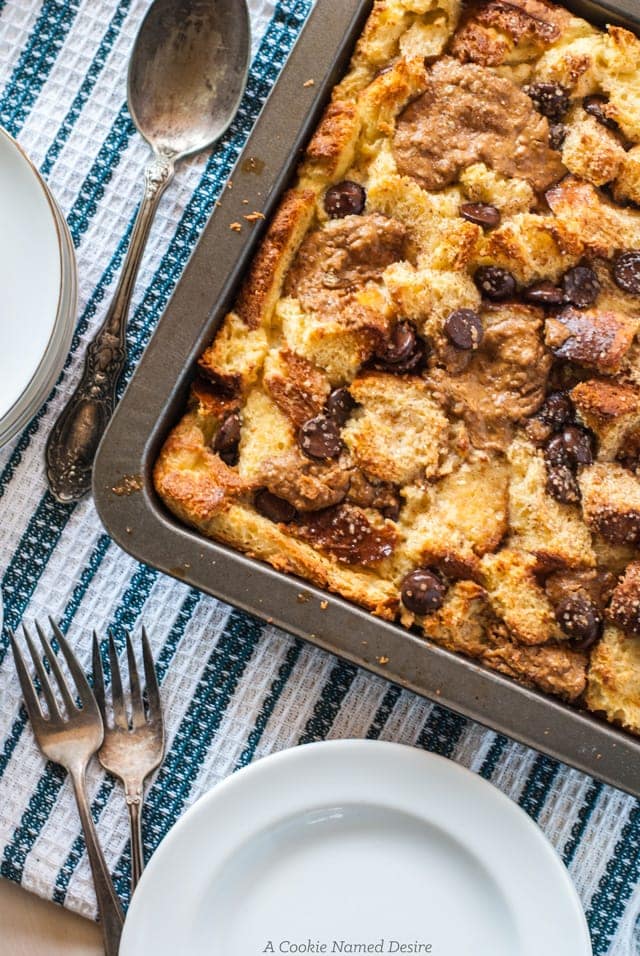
(38, 289)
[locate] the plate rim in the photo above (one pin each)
(245, 778)
(52, 359)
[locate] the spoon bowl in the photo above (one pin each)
(187, 72)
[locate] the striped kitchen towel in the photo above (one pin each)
(235, 688)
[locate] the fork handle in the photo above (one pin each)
(134, 807)
(109, 908)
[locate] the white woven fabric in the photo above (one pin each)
(234, 688)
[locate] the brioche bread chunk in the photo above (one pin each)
(611, 410)
(614, 674)
(426, 396)
(624, 609)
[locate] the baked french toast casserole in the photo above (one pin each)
(425, 398)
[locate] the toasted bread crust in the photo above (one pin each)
(261, 288)
(376, 405)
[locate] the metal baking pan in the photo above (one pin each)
(156, 397)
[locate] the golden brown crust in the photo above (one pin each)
(350, 427)
(261, 288)
(190, 478)
(624, 609)
(330, 150)
(613, 679)
(611, 410)
(297, 386)
(594, 338)
(491, 30)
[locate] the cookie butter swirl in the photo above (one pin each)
(336, 261)
(468, 114)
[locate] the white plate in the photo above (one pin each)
(355, 842)
(37, 288)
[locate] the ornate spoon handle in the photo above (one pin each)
(75, 437)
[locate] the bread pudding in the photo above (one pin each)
(425, 398)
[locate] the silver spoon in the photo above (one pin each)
(187, 74)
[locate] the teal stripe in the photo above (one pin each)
(384, 711)
(32, 69)
(614, 890)
(107, 786)
(28, 562)
(198, 728)
(441, 732)
(582, 821)
(536, 790)
(100, 175)
(93, 73)
(329, 703)
(275, 692)
(493, 756)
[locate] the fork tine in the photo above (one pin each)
(151, 679)
(119, 712)
(82, 684)
(137, 708)
(45, 683)
(69, 702)
(26, 684)
(98, 677)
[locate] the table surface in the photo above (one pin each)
(33, 927)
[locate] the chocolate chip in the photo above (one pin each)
(274, 508)
(227, 438)
(557, 135)
(578, 445)
(319, 438)
(544, 293)
(403, 352)
(579, 618)
(562, 484)
(495, 283)
(392, 511)
(344, 199)
(339, 405)
(464, 329)
(581, 286)
(593, 106)
(550, 99)
(400, 344)
(568, 449)
(626, 271)
(555, 452)
(422, 591)
(412, 363)
(557, 410)
(482, 214)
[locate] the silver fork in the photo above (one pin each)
(70, 736)
(133, 744)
